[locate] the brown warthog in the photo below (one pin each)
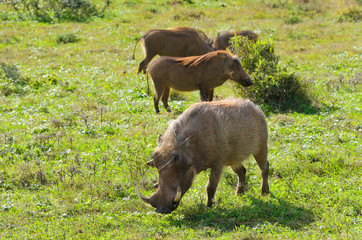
(177, 42)
(222, 40)
(202, 73)
(208, 135)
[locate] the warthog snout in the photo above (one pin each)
(161, 200)
(249, 82)
(245, 81)
(238, 74)
(163, 210)
(167, 209)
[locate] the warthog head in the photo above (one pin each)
(238, 74)
(175, 178)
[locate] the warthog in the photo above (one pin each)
(222, 40)
(208, 135)
(202, 73)
(177, 42)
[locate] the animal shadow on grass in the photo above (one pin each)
(259, 212)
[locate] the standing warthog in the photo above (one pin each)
(208, 135)
(222, 40)
(177, 42)
(202, 73)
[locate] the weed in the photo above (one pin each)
(11, 81)
(349, 14)
(67, 38)
(293, 20)
(152, 9)
(11, 72)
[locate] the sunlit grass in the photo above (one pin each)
(74, 141)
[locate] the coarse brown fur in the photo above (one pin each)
(202, 73)
(209, 135)
(177, 42)
(222, 40)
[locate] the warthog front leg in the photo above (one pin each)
(240, 171)
(212, 185)
(211, 94)
(204, 94)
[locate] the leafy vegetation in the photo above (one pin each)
(67, 38)
(275, 86)
(50, 10)
(77, 126)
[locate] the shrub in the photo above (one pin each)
(10, 71)
(275, 86)
(50, 10)
(293, 20)
(11, 81)
(353, 14)
(67, 38)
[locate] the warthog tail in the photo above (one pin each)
(134, 49)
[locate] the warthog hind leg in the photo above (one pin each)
(263, 164)
(165, 96)
(143, 65)
(240, 171)
(158, 93)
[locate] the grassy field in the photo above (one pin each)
(77, 126)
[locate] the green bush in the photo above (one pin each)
(67, 38)
(293, 20)
(11, 81)
(353, 14)
(63, 10)
(275, 86)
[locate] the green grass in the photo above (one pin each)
(77, 127)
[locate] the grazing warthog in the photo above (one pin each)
(222, 40)
(208, 135)
(202, 73)
(177, 42)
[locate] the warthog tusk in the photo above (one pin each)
(145, 199)
(151, 163)
(178, 195)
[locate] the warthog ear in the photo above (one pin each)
(159, 139)
(184, 162)
(221, 55)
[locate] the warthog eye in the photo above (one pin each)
(175, 204)
(176, 157)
